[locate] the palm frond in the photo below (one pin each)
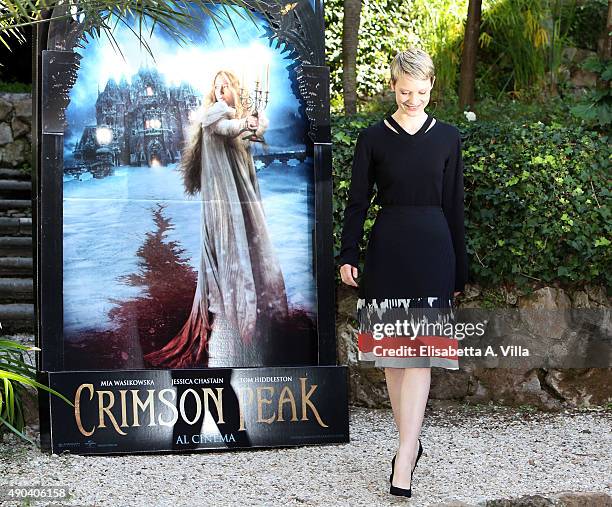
(22, 379)
(174, 17)
(15, 375)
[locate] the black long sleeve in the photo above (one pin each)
(453, 207)
(360, 195)
(418, 181)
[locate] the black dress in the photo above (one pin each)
(416, 255)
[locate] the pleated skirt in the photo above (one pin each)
(405, 305)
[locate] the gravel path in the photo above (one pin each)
(472, 454)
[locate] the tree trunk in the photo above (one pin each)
(604, 49)
(350, 41)
(468, 58)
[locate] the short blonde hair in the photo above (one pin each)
(414, 62)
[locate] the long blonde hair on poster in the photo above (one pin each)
(191, 156)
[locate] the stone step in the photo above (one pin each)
(15, 226)
(15, 246)
(16, 289)
(14, 174)
(16, 266)
(15, 203)
(15, 189)
(14, 315)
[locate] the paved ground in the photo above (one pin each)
(471, 455)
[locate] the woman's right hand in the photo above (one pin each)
(348, 274)
(252, 122)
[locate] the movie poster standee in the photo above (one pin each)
(183, 219)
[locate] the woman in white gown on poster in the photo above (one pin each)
(240, 287)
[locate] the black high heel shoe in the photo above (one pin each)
(418, 456)
(394, 490)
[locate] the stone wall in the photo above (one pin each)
(549, 389)
(15, 129)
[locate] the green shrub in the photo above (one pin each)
(520, 44)
(387, 27)
(14, 87)
(596, 107)
(15, 374)
(588, 23)
(537, 199)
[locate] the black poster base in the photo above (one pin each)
(133, 411)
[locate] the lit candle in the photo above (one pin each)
(267, 88)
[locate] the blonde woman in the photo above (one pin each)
(416, 260)
(240, 286)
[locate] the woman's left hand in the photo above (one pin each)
(457, 293)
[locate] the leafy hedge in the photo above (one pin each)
(15, 87)
(537, 200)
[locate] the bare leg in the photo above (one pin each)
(394, 377)
(414, 391)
